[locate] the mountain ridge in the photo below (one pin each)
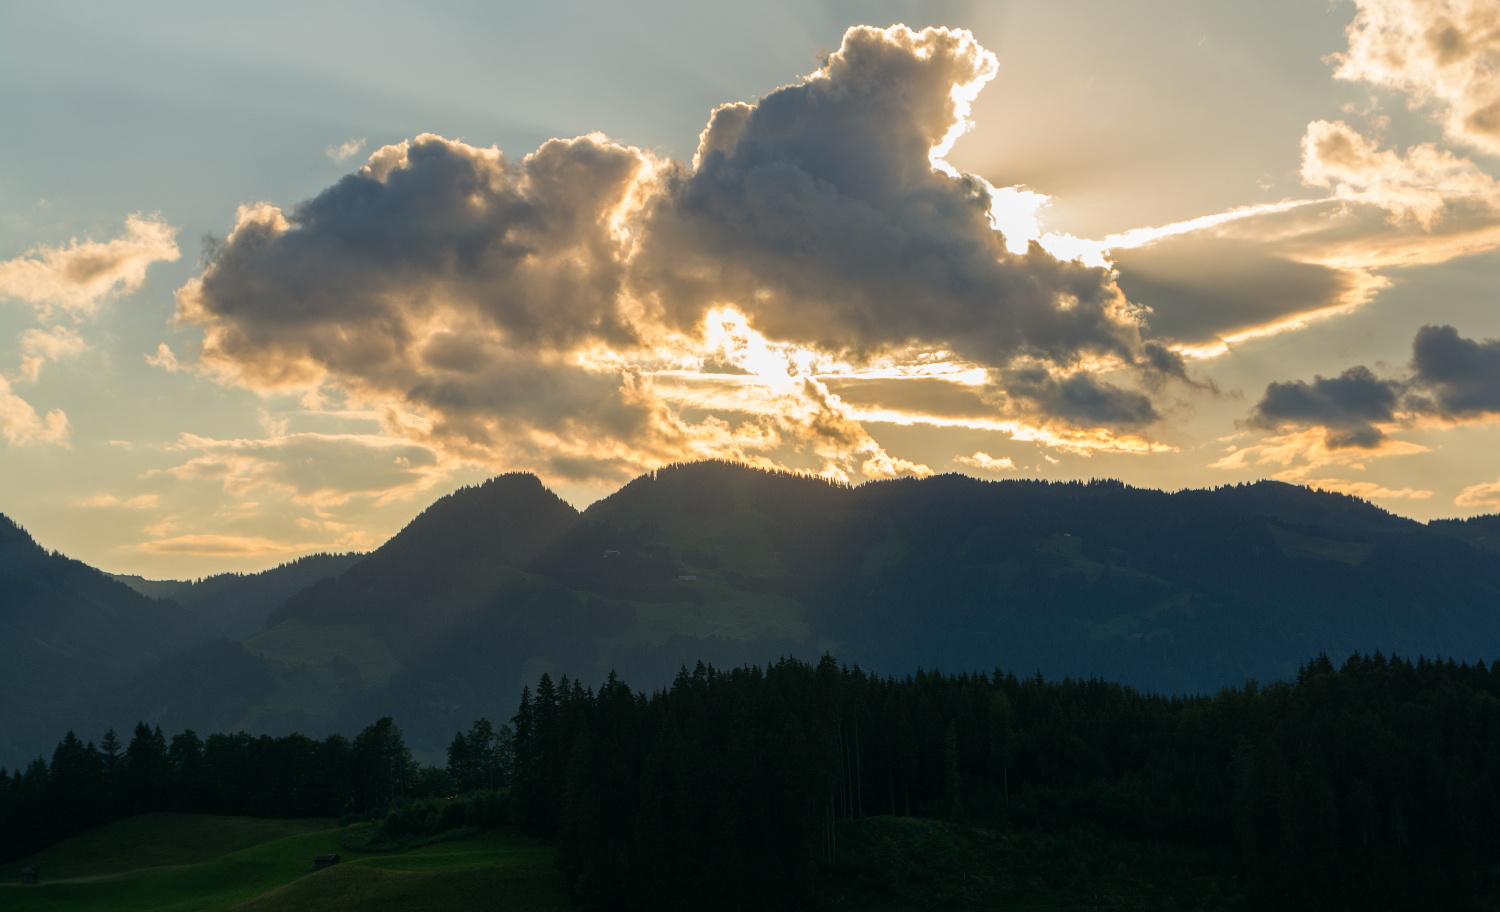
(1169, 591)
(71, 630)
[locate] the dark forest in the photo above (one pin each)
(1366, 786)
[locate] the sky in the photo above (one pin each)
(275, 277)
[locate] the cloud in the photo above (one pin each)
(837, 435)
(321, 470)
(1479, 495)
(165, 359)
(519, 313)
(222, 546)
(449, 289)
(824, 214)
(1203, 289)
(1347, 407)
(40, 346)
(1455, 378)
(1366, 489)
(1288, 263)
(985, 463)
(1300, 451)
(345, 150)
(1422, 185)
(21, 424)
(1445, 55)
(79, 276)
(915, 395)
(139, 502)
(1449, 380)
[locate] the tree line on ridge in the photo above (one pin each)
(1371, 785)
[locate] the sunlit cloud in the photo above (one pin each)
(1482, 495)
(138, 502)
(1444, 54)
(1305, 450)
(1366, 489)
(206, 545)
(40, 346)
(985, 463)
(165, 359)
(21, 424)
(1420, 185)
(565, 312)
(80, 275)
(321, 470)
(345, 150)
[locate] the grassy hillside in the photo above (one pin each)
(189, 863)
(161, 840)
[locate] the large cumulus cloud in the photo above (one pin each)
(820, 210)
(512, 312)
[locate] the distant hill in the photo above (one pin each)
(69, 632)
(237, 604)
(1180, 592)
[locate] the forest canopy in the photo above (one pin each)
(1370, 785)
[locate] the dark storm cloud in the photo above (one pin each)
(1347, 406)
(1458, 378)
(1450, 378)
(1080, 398)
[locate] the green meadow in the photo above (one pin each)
(183, 862)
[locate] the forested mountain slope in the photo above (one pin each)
(70, 631)
(1175, 592)
(237, 603)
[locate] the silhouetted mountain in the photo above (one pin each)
(1180, 592)
(237, 603)
(69, 632)
(459, 550)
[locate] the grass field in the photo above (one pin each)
(490, 871)
(137, 845)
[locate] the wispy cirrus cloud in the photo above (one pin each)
(209, 545)
(321, 470)
(138, 502)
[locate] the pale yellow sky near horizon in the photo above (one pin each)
(800, 287)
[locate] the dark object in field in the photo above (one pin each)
(323, 861)
(29, 875)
